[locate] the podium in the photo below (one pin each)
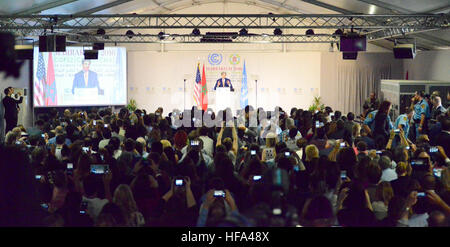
(87, 96)
(224, 99)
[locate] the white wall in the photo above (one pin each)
(21, 82)
(428, 65)
(284, 79)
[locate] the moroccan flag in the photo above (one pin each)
(50, 87)
(204, 91)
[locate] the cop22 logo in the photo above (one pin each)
(235, 59)
(215, 58)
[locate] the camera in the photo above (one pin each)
(69, 168)
(397, 131)
(317, 124)
(219, 193)
(194, 143)
(343, 174)
(252, 152)
(257, 177)
(94, 122)
(433, 149)
(99, 169)
(421, 194)
(38, 177)
(287, 154)
(106, 126)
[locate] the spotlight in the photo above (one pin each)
(273, 18)
(196, 32)
(161, 35)
(101, 31)
(277, 31)
(129, 34)
(338, 32)
(243, 32)
(309, 32)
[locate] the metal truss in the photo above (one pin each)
(374, 26)
(148, 38)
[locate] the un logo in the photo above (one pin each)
(214, 58)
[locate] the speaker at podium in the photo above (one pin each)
(225, 98)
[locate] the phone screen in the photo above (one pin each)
(433, 149)
(252, 152)
(437, 172)
(342, 144)
(287, 154)
(257, 177)
(343, 174)
(99, 169)
(317, 124)
(38, 177)
(43, 135)
(219, 193)
(179, 182)
(421, 194)
(94, 122)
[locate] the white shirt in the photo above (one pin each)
(379, 209)
(94, 206)
(418, 220)
(388, 175)
(208, 145)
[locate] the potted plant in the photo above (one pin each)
(132, 105)
(317, 105)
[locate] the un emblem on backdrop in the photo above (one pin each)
(215, 58)
(235, 59)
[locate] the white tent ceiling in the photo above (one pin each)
(430, 40)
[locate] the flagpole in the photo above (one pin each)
(184, 94)
(256, 82)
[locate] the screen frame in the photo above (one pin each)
(32, 77)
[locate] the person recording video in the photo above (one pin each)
(11, 108)
(86, 78)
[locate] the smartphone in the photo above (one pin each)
(397, 131)
(69, 168)
(18, 142)
(99, 169)
(379, 152)
(219, 193)
(342, 144)
(433, 149)
(44, 206)
(194, 143)
(252, 152)
(94, 122)
(257, 177)
(85, 149)
(43, 135)
(179, 182)
(287, 154)
(296, 168)
(106, 126)
(317, 124)
(38, 177)
(343, 174)
(83, 207)
(437, 172)
(276, 211)
(407, 148)
(421, 194)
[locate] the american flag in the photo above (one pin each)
(40, 82)
(198, 87)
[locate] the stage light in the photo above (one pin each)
(309, 32)
(101, 31)
(338, 32)
(129, 34)
(162, 35)
(196, 32)
(243, 32)
(277, 31)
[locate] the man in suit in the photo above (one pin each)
(86, 78)
(11, 108)
(224, 82)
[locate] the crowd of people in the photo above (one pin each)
(256, 168)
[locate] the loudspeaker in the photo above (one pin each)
(98, 46)
(24, 52)
(90, 54)
(52, 43)
(349, 55)
(403, 51)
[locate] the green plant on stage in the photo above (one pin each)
(317, 105)
(132, 105)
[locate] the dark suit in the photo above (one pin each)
(443, 140)
(79, 82)
(221, 83)
(11, 111)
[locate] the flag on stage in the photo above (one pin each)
(50, 87)
(244, 89)
(204, 91)
(197, 86)
(40, 82)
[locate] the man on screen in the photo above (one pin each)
(224, 82)
(86, 79)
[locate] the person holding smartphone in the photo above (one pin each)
(215, 203)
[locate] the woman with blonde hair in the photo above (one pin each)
(383, 195)
(123, 197)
